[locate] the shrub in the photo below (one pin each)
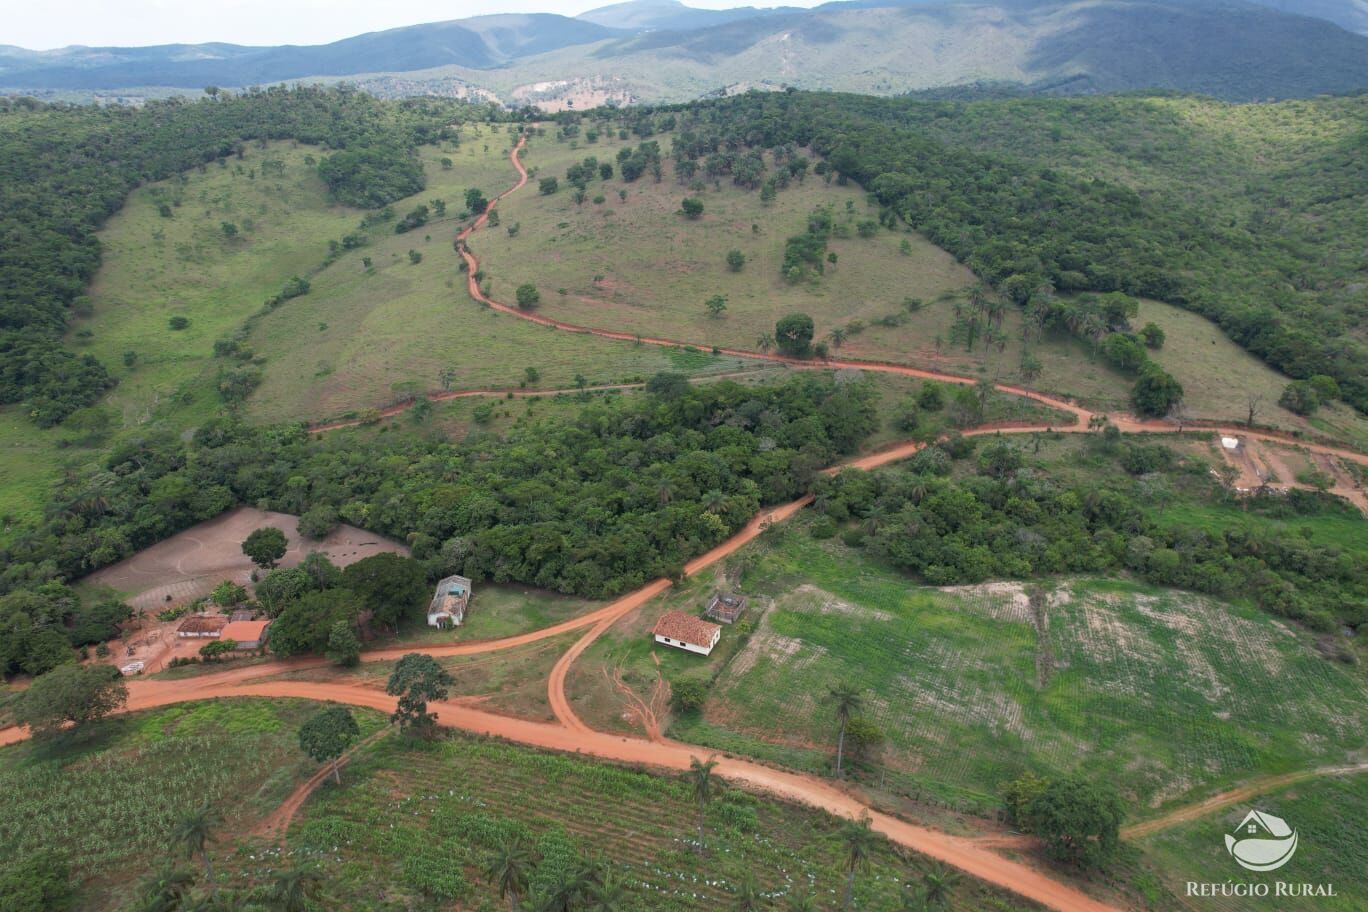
(688, 695)
(178, 322)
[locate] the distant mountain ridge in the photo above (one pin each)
(478, 43)
(662, 50)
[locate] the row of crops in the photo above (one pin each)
(451, 803)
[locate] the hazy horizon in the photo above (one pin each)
(142, 23)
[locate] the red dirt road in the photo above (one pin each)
(961, 852)
(571, 734)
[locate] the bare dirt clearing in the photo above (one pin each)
(190, 564)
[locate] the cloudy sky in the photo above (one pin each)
(57, 23)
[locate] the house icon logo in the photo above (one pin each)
(1262, 842)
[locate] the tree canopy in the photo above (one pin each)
(70, 694)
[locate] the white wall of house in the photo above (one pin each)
(689, 647)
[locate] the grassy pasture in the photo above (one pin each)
(365, 338)
(1332, 847)
(1168, 695)
(657, 267)
(156, 268)
(638, 264)
(112, 799)
(449, 804)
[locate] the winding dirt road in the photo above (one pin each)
(569, 733)
(1128, 424)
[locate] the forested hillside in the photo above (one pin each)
(1276, 263)
(64, 170)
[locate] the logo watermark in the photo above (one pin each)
(1262, 842)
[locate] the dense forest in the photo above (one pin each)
(1035, 229)
(65, 169)
(1002, 520)
(625, 493)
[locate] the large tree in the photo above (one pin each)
(265, 546)
(1080, 821)
(793, 334)
(327, 734)
(389, 586)
(416, 680)
(70, 694)
(306, 625)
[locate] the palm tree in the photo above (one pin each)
(564, 893)
(936, 886)
(292, 890)
(765, 342)
(700, 779)
(848, 702)
(748, 897)
(193, 831)
(509, 870)
(858, 837)
(715, 502)
(608, 895)
(165, 890)
(838, 335)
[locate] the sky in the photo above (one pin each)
(58, 23)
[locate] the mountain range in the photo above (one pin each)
(662, 50)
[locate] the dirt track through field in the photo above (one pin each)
(1125, 423)
(569, 733)
(1225, 799)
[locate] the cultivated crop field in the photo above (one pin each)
(415, 825)
(1167, 694)
(1328, 815)
(112, 800)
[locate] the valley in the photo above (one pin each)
(978, 559)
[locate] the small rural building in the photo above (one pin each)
(684, 631)
(243, 614)
(726, 607)
(247, 634)
(201, 626)
(449, 602)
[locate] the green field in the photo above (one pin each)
(639, 265)
(402, 812)
(1168, 695)
(111, 799)
(1332, 848)
(156, 268)
(366, 338)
